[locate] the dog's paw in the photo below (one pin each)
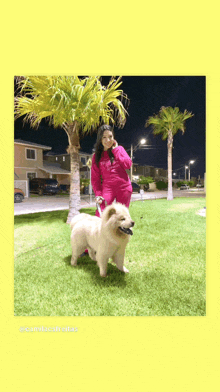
(103, 275)
(125, 270)
(73, 262)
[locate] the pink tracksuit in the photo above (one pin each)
(115, 182)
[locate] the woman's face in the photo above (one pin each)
(107, 140)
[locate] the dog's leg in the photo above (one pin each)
(76, 252)
(74, 261)
(102, 262)
(92, 253)
(103, 268)
(118, 259)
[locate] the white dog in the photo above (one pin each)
(104, 238)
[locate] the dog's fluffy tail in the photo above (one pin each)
(76, 219)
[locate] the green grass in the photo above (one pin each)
(165, 257)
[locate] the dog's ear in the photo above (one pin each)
(111, 212)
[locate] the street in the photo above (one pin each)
(59, 202)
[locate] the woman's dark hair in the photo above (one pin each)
(99, 147)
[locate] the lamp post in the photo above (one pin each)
(190, 163)
(142, 142)
(186, 167)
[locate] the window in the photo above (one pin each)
(83, 160)
(30, 154)
(31, 175)
(56, 158)
(64, 159)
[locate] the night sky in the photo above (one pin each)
(147, 94)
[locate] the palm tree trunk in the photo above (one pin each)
(169, 164)
(73, 150)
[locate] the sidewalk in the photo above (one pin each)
(55, 203)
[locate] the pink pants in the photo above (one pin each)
(123, 197)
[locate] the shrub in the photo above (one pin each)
(161, 185)
(145, 180)
(84, 181)
(179, 183)
(191, 183)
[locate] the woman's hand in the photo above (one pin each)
(99, 199)
(115, 144)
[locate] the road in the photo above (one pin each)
(58, 202)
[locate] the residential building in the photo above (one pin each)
(29, 163)
(28, 159)
(157, 174)
(64, 161)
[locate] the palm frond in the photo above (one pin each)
(68, 99)
(168, 119)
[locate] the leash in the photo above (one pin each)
(98, 206)
(99, 209)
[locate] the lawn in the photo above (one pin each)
(165, 257)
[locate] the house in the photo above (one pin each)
(29, 163)
(157, 174)
(64, 161)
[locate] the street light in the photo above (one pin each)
(190, 163)
(142, 142)
(174, 176)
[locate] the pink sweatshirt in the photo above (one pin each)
(113, 175)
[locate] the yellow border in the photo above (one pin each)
(133, 354)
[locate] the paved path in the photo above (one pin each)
(54, 203)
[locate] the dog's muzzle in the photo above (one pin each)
(127, 230)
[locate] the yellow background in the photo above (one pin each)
(110, 353)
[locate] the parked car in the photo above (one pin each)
(136, 187)
(64, 188)
(18, 195)
(44, 186)
(184, 186)
(198, 186)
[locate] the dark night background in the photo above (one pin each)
(147, 94)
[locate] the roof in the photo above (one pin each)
(25, 143)
(53, 169)
(52, 153)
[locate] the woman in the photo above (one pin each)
(108, 173)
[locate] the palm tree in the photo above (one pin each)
(78, 105)
(167, 122)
